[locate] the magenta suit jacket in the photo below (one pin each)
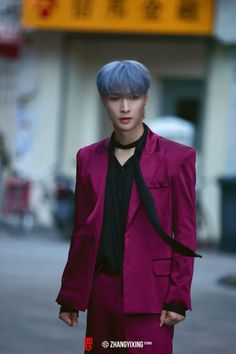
(153, 274)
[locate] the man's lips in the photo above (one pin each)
(125, 120)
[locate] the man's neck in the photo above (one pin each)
(128, 137)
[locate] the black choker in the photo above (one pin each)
(127, 146)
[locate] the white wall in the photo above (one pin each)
(216, 132)
(225, 25)
(39, 75)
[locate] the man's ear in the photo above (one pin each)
(146, 97)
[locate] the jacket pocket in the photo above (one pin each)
(159, 184)
(161, 266)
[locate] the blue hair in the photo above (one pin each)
(123, 77)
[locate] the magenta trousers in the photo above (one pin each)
(107, 324)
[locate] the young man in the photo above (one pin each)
(130, 262)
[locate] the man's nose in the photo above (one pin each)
(124, 105)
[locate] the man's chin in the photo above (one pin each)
(126, 127)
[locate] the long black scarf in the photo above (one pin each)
(146, 199)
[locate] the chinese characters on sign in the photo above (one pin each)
(152, 10)
(189, 10)
(127, 16)
(116, 8)
(82, 8)
(45, 7)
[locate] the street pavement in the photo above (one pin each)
(30, 271)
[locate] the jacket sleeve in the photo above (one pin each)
(184, 229)
(82, 210)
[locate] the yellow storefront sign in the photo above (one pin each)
(128, 16)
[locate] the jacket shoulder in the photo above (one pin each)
(87, 150)
(177, 150)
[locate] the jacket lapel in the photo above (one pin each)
(98, 173)
(99, 167)
(150, 163)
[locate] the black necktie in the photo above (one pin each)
(149, 205)
(150, 209)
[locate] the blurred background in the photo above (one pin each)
(50, 51)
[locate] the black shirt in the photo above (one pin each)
(117, 202)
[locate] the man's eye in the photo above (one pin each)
(114, 98)
(134, 97)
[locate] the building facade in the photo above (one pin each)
(193, 77)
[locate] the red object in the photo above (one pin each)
(10, 41)
(46, 7)
(10, 51)
(88, 344)
(17, 196)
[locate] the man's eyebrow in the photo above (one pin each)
(123, 94)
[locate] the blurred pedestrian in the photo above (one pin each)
(4, 163)
(134, 191)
